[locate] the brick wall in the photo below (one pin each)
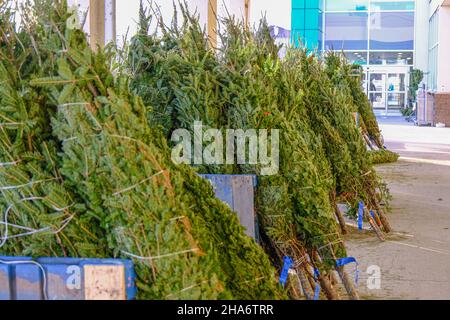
(442, 108)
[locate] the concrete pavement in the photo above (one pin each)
(414, 262)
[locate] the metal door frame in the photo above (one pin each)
(386, 70)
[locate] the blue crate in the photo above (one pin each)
(23, 278)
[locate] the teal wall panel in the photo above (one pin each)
(307, 4)
(307, 23)
(298, 19)
(312, 38)
(316, 4)
(298, 4)
(312, 19)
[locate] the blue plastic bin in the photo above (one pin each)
(59, 278)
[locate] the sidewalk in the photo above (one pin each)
(415, 259)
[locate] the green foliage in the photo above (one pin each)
(348, 78)
(85, 152)
(407, 112)
(382, 156)
(416, 79)
(81, 163)
(33, 192)
(245, 85)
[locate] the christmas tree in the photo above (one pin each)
(115, 177)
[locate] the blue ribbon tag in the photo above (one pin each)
(360, 215)
(317, 289)
(285, 271)
(317, 292)
(344, 261)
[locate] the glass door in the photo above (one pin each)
(396, 94)
(387, 90)
(377, 90)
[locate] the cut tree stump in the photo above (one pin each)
(348, 284)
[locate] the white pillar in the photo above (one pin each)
(443, 76)
(421, 36)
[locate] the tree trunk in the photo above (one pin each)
(299, 285)
(341, 219)
(374, 225)
(325, 283)
(348, 284)
(327, 288)
(383, 218)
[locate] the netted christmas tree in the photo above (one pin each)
(86, 167)
(119, 188)
(246, 86)
(348, 78)
(40, 215)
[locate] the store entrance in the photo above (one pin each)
(387, 89)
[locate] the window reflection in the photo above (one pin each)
(396, 82)
(377, 82)
(347, 5)
(392, 5)
(391, 58)
(392, 31)
(346, 31)
(396, 100)
(377, 100)
(357, 57)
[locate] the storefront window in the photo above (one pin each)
(346, 31)
(379, 35)
(392, 5)
(391, 58)
(392, 31)
(396, 82)
(357, 57)
(347, 5)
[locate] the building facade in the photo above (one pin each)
(379, 35)
(388, 39)
(433, 26)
